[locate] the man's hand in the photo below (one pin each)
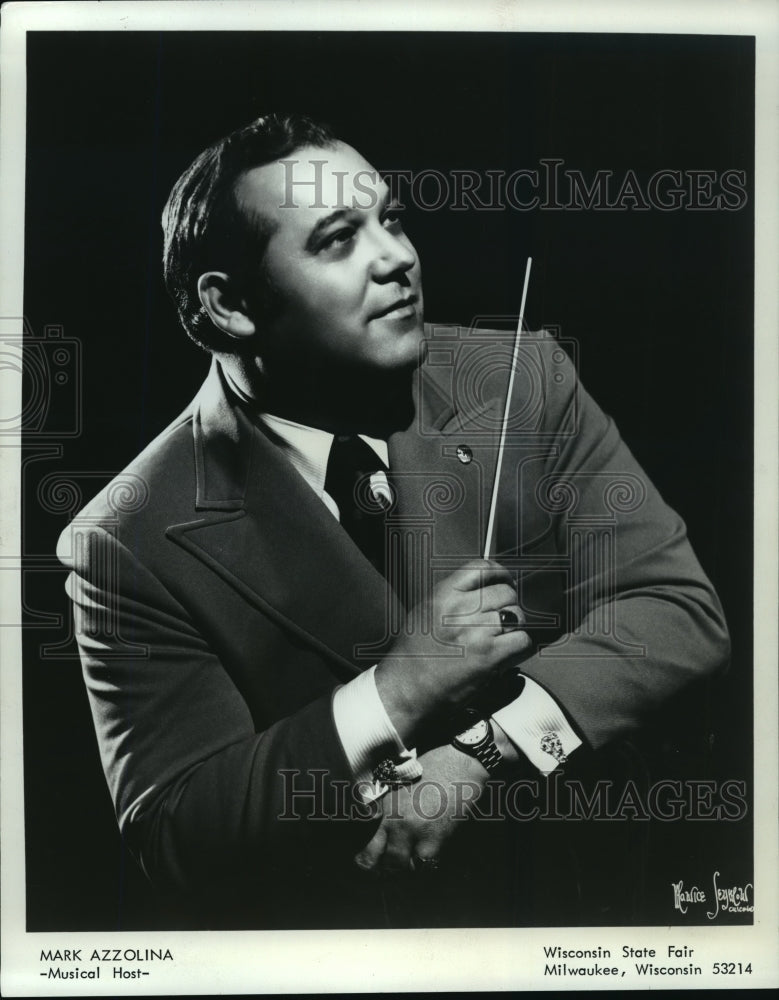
(419, 677)
(418, 819)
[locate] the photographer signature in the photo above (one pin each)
(726, 899)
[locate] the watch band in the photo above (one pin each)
(485, 750)
(488, 755)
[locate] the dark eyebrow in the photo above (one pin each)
(322, 224)
(383, 203)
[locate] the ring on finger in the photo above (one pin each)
(426, 865)
(509, 620)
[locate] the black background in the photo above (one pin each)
(660, 304)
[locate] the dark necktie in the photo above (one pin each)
(351, 464)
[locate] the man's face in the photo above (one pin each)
(346, 277)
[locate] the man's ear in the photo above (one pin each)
(226, 309)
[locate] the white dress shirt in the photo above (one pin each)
(364, 728)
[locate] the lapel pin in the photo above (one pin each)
(464, 454)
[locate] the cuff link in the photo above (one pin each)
(552, 744)
(393, 774)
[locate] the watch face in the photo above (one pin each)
(474, 735)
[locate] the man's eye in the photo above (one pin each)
(339, 238)
(392, 219)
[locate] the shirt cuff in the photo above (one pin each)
(366, 732)
(536, 725)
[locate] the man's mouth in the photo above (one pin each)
(403, 306)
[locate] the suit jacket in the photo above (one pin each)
(219, 604)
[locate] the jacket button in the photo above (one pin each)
(464, 454)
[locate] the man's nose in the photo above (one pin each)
(391, 253)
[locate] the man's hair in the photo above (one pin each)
(205, 229)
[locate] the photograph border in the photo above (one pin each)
(238, 962)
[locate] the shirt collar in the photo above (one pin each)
(308, 448)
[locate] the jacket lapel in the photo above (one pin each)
(265, 532)
(435, 487)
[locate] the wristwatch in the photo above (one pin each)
(479, 741)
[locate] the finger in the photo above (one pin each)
(479, 573)
(425, 860)
(500, 595)
(512, 644)
(479, 607)
(427, 849)
(397, 853)
(369, 857)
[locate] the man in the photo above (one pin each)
(289, 626)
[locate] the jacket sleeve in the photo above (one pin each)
(640, 619)
(201, 797)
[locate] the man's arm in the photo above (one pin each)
(202, 798)
(642, 619)
(198, 792)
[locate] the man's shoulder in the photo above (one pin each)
(158, 483)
